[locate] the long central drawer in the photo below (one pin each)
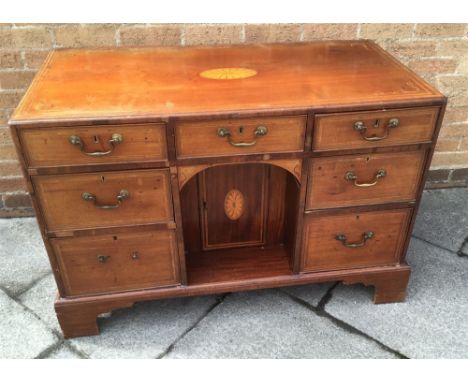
(104, 199)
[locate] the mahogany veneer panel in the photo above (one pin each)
(135, 82)
(328, 187)
(237, 264)
(131, 261)
(322, 251)
(233, 206)
(141, 143)
(285, 134)
(64, 208)
(336, 131)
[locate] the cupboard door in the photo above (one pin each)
(233, 206)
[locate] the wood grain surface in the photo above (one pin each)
(328, 187)
(336, 131)
(131, 261)
(322, 251)
(64, 208)
(51, 147)
(131, 82)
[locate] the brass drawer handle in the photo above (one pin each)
(260, 131)
(102, 258)
(123, 194)
(365, 236)
(115, 140)
(362, 128)
(351, 176)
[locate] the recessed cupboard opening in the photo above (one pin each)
(239, 222)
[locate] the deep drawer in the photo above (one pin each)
(104, 199)
(341, 131)
(110, 263)
(240, 136)
(364, 179)
(94, 145)
(353, 240)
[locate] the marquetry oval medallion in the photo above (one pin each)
(228, 73)
(234, 204)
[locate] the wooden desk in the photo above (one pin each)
(164, 172)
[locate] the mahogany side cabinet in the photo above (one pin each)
(172, 172)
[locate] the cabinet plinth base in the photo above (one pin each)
(388, 287)
(79, 319)
(78, 316)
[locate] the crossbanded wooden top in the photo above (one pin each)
(126, 83)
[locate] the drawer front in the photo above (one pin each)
(353, 240)
(240, 136)
(94, 145)
(105, 263)
(104, 199)
(343, 131)
(364, 179)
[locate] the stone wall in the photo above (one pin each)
(437, 52)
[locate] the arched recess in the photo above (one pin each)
(293, 166)
(265, 195)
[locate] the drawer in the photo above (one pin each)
(341, 131)
(240, 136)
(127, 261)
(94, 145)
(364, 179)
(353, 240)
(104, 199)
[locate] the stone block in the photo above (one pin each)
(87, 35)
(376, 31)
(440, 30)
(158, 35)
(212, 34)
(269, 33)
(339, 31)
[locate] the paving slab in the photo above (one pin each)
(443, 217)
(40, 299)
(431, 323)
(24, 258)
(63, 352)
(22, 335)
(269, 324)
(146, 330)
(464, 249)
(312, 293)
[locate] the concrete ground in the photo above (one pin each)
(315, 321)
